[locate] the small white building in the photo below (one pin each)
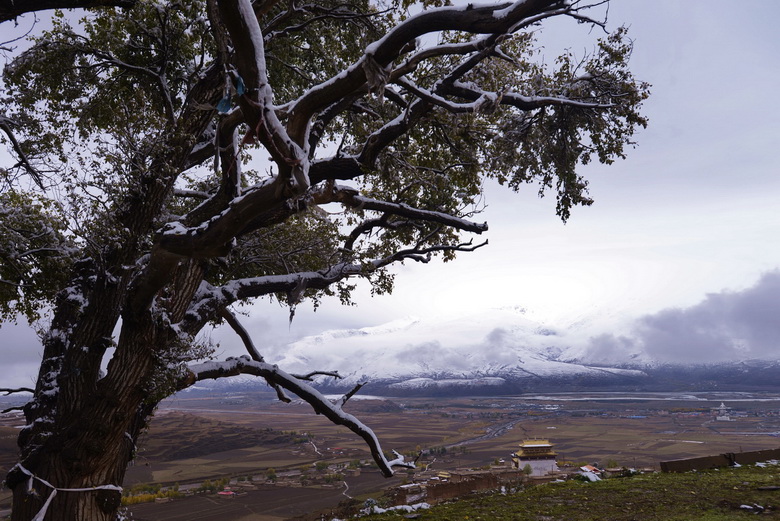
(722, 413)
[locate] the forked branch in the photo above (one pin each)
(233, 322)
(8, 391)
(306, 392)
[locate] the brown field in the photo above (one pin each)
(267, 504)
(477, 432)
(193, 439)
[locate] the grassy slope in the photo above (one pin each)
(701, 496)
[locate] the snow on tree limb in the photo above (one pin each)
(9, 391)
(257, 103)
(10, 9)
(307, 393)
(343, 400)
(489, 19)
(209, 300)
(350, 198)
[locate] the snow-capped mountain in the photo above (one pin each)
(500, 351)
(485, 349)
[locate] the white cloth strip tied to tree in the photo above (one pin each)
(42, 512)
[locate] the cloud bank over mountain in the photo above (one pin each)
(725, 326)
(728, 326)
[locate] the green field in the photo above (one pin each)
(722, 495)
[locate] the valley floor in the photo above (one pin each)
(197, 438)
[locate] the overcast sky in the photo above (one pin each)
(681, 242)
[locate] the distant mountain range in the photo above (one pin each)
(502, 351)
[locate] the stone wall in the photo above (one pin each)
(721, 460)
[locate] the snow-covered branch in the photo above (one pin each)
(211, 238)
(9, 391)
(343, 400)
(10, 9)
(257, 102)
(455, 108)
(412, 62)
(320, 404)
(468, 91)
(349, 197)
(195, 194)
(369, 225)
(488, 19)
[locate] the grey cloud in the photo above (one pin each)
(433, 356)
(19, 344)
(724, 326)
(497, 337)
(498, 347)
(608, 348)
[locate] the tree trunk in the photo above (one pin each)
(87, 434)
(92, 454)
(87, 505)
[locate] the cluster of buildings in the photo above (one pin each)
(534, 462)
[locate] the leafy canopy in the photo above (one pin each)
(98, 100)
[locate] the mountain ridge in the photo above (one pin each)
(503, 350)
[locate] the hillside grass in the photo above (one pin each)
(716, 495)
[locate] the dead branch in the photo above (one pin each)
(341, 401)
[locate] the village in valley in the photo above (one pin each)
(215, 453)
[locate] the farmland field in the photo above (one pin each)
(195, 438)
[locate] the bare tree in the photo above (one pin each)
(380, 129)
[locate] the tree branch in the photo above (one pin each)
(8, 391)
(10, 9)
(349, 197)
(209, 300)
(24, 161)
(257, 102)
(307, 393)
(477, 19)
(231, 319)
(523, 102)
(343, 400)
